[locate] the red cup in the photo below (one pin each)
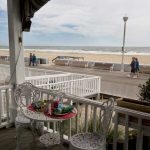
(56, 104)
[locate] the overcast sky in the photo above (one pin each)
(85, 22)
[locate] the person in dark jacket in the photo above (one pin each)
(30, 59)
(33, 60)
(137, 67)
(133, 68)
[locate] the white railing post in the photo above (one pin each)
(86, 118)
(126, 131)
(3, 104)
(7, 105)
(115, 131)
(98, 88)
(139, 141)
(71, 87)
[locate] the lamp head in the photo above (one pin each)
(125, 19)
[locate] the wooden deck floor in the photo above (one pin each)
(8, 141)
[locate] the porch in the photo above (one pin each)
(86, 121)
(88, 106)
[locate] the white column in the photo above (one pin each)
(17, 72)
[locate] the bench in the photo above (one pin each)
(61, 62)
(103, 66)
(145, 69)
(81, 64)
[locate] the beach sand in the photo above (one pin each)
(113, 58)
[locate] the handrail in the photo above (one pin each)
(5, 87)
(132, 112)
(84, 100)
(69, 81)
(46, 76)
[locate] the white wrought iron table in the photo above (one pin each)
(49, 139)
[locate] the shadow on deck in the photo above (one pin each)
(8, 141)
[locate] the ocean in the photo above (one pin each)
(89, 49)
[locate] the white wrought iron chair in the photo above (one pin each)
(25, 94)
(97, 140)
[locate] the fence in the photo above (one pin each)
(87, 120)
(75, 84)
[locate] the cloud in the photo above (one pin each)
(3, 5)
(95, 18)
(95, 22)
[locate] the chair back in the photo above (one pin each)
(26, 93)
(106, 115)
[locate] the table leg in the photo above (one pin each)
(33, 128)
(61, 134)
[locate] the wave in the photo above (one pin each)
(89, 52)
(106, 51)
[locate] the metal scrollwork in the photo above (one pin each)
(25, 94)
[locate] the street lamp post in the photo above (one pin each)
(122, 61)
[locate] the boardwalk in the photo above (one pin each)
(113, 83)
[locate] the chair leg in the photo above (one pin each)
(61, 134)
(70, 147)
(61, 146)
(104, 147)
(33, 128)
(40, 128)
(18, 137)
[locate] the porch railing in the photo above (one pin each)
(87, 119)
(5, 99)
(131, 119)
(75, 84)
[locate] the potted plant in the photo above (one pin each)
(144, 94)
(132, 140)
(143, 104)
(109, 139)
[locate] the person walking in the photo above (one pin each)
(133, 68)
(33, 60)
(137, 67)
(30, 59)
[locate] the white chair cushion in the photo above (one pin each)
(87, 141)
(50, 139)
